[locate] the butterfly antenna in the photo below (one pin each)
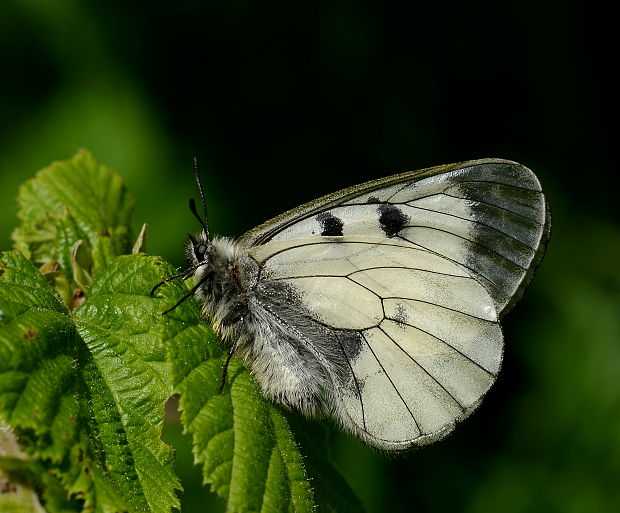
(183, 274)
(192, 207)
(191, 292)
(205, 222)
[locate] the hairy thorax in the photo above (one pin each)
(226, 287)
(276, 353)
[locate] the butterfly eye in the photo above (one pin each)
(200, 251)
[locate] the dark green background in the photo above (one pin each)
(286, 101)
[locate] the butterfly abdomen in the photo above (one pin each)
(283, 366)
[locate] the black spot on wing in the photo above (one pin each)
(331, 226)
(372, 199)
(351, 343)
(391, 219)
(401, 314)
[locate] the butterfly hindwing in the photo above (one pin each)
(414, 338)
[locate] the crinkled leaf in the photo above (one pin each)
(76, 199)
(18, 497)
(86, 392)
(16, 493)
(86, 389)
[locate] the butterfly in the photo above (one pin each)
(378, 305)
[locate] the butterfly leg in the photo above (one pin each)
(230, 352)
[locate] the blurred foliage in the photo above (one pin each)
(285, 102)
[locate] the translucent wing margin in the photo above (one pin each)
(490, 216)
(414, 341)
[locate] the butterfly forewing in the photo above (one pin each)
(490, 216)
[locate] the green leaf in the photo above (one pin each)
(332, 493)
(85, 386)
(72, 200)
(16, 493)
(86, 392)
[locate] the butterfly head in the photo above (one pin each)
(198, 247)
(198, 250)
(204, 221)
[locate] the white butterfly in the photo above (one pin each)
(379, 305)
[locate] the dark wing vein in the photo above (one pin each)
(440, 306)
(368, 269)
(443, 341)
(422, 367)
(363, 286)
(407, 268)
(476, 222)
(444, 193)
(463, 238)
(392, 383)
(313, 243)
(407, 184)
(474, 271)
(512, 186)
